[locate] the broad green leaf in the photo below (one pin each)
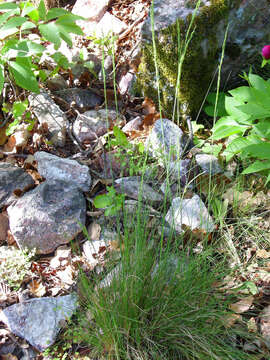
(9, 6)
(102, 201)
(61, 60)
(23, 75)
(260, 151)
(235, 146)
(28, 25)
(242, 93)
(231, 106)
(210, 109)
(120, 137)
(257, 166)
(19, 107)
(212, 149)
(55, 13)
(69, 28)
(263, 128)
(13, 23)
(69, 18)
(227, 126)
(5, 16)
(66, 37)
(50, 32)
(42, 10)
(31, 11)
(257, 82)
(2, 77)
(254, 110)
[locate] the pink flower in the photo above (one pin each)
(266, 52)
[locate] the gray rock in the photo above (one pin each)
(94, 123)
(83, 99)
(247, 34)
(56, 83)
(48, 216)
(38, 321)
(191, 213)
(135, 188)
(180, 171)
(12, 178)
(208, 163)
(49, 113)
(133, 124)
(166, 141)
(54, 168)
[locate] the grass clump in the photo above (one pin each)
(160, 303)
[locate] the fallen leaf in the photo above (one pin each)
(3, 136)
(231, 319)
(94, 230)
(37, 288)
(4, 226)
(251, 325)
(9, 357)
(263, 254)
(242, 305)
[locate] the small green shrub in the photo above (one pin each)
(247, 124)
(19, 55)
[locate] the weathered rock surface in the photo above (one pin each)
(48, 216)
(209, 164)
(166, 141)
(91, 9)
(94, 123)
(54, 168)
(39, 320)
(12, 178)
(83, 99)
(247, 34)
(134, 188)
(189, 212)
(133, 124)
(50, 114)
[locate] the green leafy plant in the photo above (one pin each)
(19, 55)
(247, 124)
(112, 201)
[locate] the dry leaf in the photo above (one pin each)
(3, 136)
(94, 230)
(252, 326)
(9, 357)
(263, 254)
(4, 226)
(11, 144)
(231, 319)
(37, 288)
(242, 305)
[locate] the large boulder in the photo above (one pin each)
(247, 34)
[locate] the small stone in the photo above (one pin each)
(50, 215)
(189, 212)
(166, 141)
(54, 168)
(50, 114)
(208, 163)
(39, 320)
(12, 178)
(83, 99)
(136, 189)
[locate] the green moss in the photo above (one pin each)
(197, 67)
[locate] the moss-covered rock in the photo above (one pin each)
(247, 33)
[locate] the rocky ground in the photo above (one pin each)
(51, 175)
